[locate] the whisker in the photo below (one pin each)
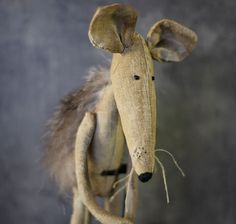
(120, 180)
(164, 179)
(117, 192)
(174, 160)
(123, 187)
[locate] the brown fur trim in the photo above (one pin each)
(58, 156)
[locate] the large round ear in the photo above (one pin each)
(170, 41)
(112, 27)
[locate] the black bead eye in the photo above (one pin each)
(153, 78)
(136, 77)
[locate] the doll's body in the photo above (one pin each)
(112, 110)
(107, 147)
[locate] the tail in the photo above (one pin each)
(83, 140)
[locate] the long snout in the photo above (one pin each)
(135, 95)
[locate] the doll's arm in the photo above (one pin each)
(131, 200)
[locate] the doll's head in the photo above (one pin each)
(132, 75)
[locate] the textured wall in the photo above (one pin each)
(45, 52)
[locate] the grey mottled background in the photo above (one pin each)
(45, 52)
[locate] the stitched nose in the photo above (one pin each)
(144, 177)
